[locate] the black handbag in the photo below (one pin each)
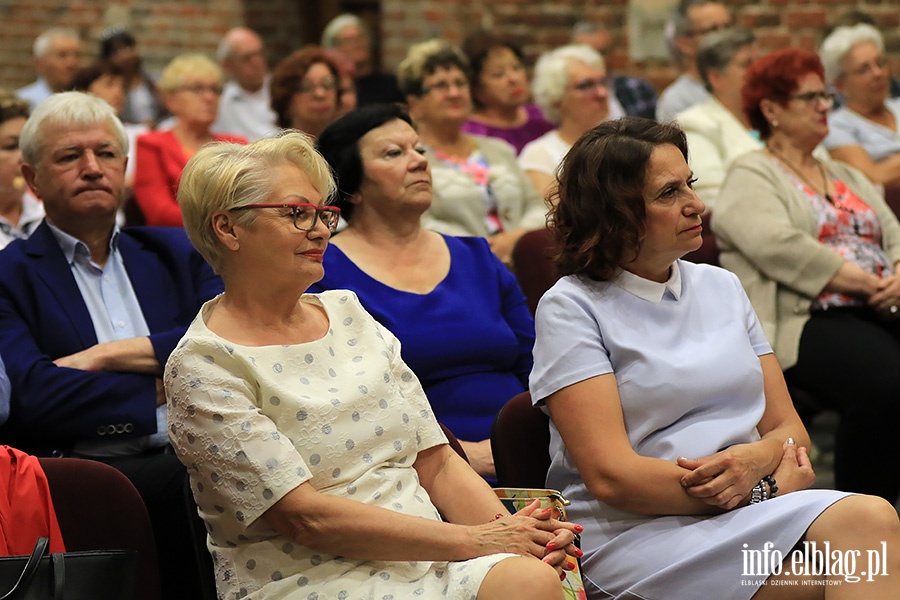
(95, 575)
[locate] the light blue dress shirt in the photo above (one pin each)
(116, 315)
(35, 93)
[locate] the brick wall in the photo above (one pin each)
(167, 28)
(538, 26)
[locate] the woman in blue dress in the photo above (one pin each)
(672, 431)
(462, 320)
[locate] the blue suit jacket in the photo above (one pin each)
(43, 317)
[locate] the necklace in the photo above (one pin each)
(803, 177)
(851, 213)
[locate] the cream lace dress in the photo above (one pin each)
(343, 412)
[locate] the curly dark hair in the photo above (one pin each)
(339, 145)
(289, 73)
(599, 209)
(776, 76)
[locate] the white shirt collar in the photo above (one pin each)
(649, 290)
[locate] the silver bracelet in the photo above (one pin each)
(759, 493)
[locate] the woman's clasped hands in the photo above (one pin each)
(532, 531)
(726, 478)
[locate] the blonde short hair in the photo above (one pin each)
(186, 67)
(424, 59)
(224, 176)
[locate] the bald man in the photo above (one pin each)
(244, 108)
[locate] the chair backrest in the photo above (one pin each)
(454, 443)
(520, 442)
(98, 508)
(534, 266)
(892, 197)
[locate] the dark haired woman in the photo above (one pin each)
(672, 431)
(500, 92)
(816, 248)
(143, 102)
(463, 322)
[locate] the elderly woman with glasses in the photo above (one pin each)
(314, 456)
(865, 132)
(479, 189)
(306, 90)
(20, 211)
(817, 248)
(191, 85)
(570, 86)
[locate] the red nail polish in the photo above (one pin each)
(562, 576)
(579, 552)
(550, 546)
(570, 565)
(579, 528)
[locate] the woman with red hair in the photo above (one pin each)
(816, 249)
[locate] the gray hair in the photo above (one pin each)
(585, 28)
(224, 176)
(226, 44)
(840, 42)
(339, 23)
(679, 25)
(75, 110)
(551, 75)
(717, 49)
(43, 42)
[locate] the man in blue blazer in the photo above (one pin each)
(89, 315)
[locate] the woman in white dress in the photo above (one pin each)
(20, 211)
(865, 133)
(571, 87)
(672, 432)
(314, 456)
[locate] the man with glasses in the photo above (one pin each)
(89, 315)
(692, 20)
(244, 108)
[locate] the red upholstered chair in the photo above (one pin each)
(454, 443)
(98, 508)
(892, 197)
(520, 442)
(533, 263)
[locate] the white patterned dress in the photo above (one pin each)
(343, 412)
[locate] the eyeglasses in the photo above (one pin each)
(308, 87)
(304, 215)
(826, 98)
(588, 85)
(444, 86)
(879, 65)
(714, 27)
(500, 72)
(200, 89)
